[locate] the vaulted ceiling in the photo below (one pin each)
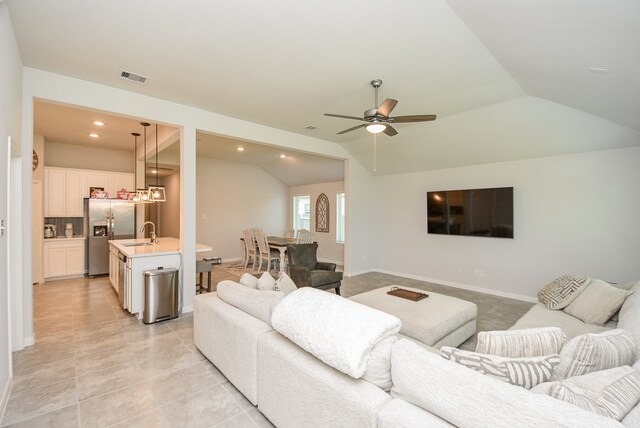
(508, 79)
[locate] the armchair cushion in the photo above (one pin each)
(303, 255)
(324, 277)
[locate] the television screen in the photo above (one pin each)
(475, 212)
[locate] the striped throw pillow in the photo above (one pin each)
(612, 393)
(560, 292)
(524, 372)
(529, 342)
(593, 352)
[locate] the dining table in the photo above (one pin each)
(279, 243)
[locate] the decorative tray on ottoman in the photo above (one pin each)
(407, 294)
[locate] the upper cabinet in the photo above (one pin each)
(65, 188)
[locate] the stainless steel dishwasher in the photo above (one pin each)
(122, 275)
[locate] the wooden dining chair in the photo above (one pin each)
(304, 237)
(289, 233)
(265, 252)
(250, 251)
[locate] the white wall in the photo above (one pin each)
(328, 249)
(234, 196)
(74, 156)
(572, 214)
(10, 108)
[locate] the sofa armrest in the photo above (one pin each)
(300, 275)
(326, 266)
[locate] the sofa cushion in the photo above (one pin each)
(400, 414)
(531, 342)
(525, 372)
(466, 398)
(629, 316)
(612, 393)
(560, 292)
(378, 370)
(249, 280)
(266, 282)
(594, 352)
(540, 316)
(257, 303)
(285, 284)
(597, 303)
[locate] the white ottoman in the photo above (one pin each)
(436, 321)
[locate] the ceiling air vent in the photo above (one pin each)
(133, 77)
(311, 128)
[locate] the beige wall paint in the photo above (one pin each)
(572, 214)
(328, 249)
(170, 210)
(234, 196)
(74, 156)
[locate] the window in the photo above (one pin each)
(302, 212)
(340, 217)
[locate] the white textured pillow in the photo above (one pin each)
(529, 342)
(592, 352)
(525, 372)
(285, 284)
(629, 315)
(378, 370)
(266, 282)
(249, 280)
(560, 292)
(257, 303)
(612, 393)
(597, 303)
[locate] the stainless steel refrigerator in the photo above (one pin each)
(104, 220)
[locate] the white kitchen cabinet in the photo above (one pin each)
(73, 193)
(136, 267)
(63, 257)
(119, 181)
(55, 182)
(113, 267)
(97, 179)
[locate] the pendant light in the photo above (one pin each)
(134, 196)
(143, 194)
(157, 193)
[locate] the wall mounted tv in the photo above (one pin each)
(474, 212)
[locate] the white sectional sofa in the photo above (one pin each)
(293, 388)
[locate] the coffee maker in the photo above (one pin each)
(49, 230)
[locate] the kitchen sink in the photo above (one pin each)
(138, 244)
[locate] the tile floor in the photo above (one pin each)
(95, 365)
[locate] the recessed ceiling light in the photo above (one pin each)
(598, 70)
(153, 171)
(240, 149)
(283, 156)
(98, 123)
(93, 135)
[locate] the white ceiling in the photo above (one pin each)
(508, 79)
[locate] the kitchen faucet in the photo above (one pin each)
(152, 234)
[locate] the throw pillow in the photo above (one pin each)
(257, 303)
(249, 280)
(597, 303)
(530, 342)
(612, 393)
(559, 293)
(628, 319)
(285, 284)
(266, 282)
(592, 352)
(524, 372)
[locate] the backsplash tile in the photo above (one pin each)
(61, 222)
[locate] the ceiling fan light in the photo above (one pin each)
(376, 128)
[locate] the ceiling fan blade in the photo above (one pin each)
(413, 118)
(385, 108)
(352, 129)
(344, 117)
(390, 131)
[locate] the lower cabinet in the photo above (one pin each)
(136, 267)
(63, 258)
(113, 267)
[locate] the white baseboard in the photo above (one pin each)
(362, 272)
(462, 286)
(5, 397)
(235, 259)
(187, 309)
(29, 341)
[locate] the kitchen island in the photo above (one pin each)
(130, 258)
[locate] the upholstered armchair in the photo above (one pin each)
(306, 271)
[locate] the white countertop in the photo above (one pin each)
(164, 246)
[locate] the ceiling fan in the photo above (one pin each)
(377, 119)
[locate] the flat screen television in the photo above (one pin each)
(474, 212)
